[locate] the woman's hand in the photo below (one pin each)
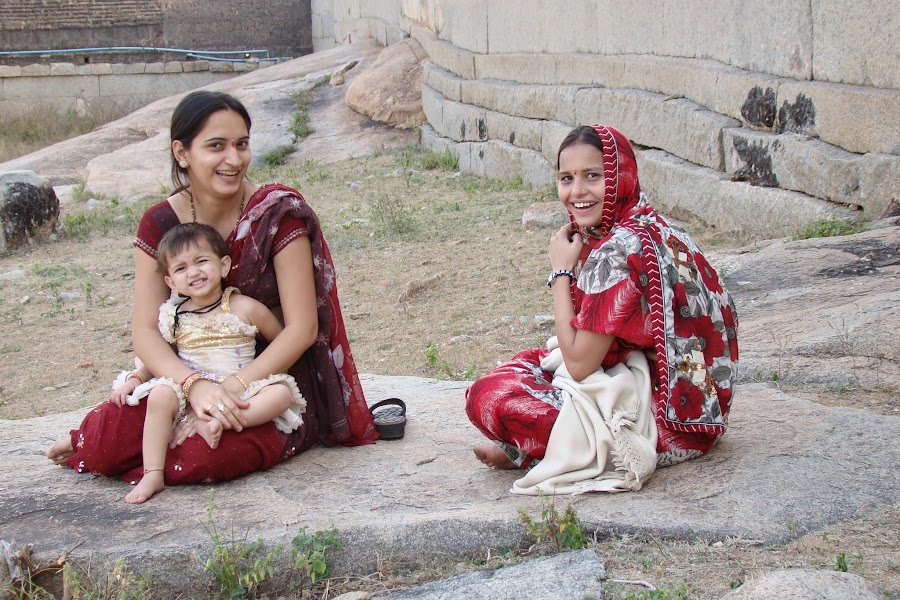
(185, 427)
(210, 400)
(565, 248)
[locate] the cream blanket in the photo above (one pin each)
(604, 439)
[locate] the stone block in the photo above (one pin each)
(84, 69)
(778, 42)
(464, 24)
(446, 55)
(193, 66)
(263, 63)
(433, 106)
(678, 126)
(101, 69)
(523, 100)
(463, 122)
(856, 43)
(35, 70)
(521, 68)
(135, 68)
(317, 30)
(519, 131)
(219, 66)
(536, 26)
(796, 162)
(173, 66)
(117, 69)
(858, 119)
(805, 583)
(683, 189)
(244, 67)
(445, 82)
(62, 69)
(59, 91)
(879, 183)
(552, 135)
(10, 71)
(29, 209)
(544, 215)
(155, 68)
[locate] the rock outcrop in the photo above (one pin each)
(29, 209)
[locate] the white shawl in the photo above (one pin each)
(604, 439)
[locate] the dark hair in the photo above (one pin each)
(580, 135)
(189, 118)
(186, 235)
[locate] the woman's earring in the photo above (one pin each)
(183, 164)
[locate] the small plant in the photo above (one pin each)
(445, 160)
(676, 592)
(278, 156)
(237, 566)
(840, 562)
(309, 554)
(830, 228)
(391, 215)
(115, 582)
(560, 530)
(300, 121)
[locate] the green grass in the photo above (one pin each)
(278, 156)
(830, 228)
(44, 125)
(300, 121)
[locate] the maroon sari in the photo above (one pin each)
(110, 437)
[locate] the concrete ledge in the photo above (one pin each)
(676, 186)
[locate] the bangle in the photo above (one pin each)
(567, 272)
(135, 375)
(188, 382)
(191, 374)
(242, 382)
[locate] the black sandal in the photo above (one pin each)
(390, 418)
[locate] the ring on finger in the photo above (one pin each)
(184, 419)
(209, 408)
(221, 407)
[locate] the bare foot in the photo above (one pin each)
(211, 431)
(493, 456)
(61, 450)
(150, 484)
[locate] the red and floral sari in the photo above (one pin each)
(109, 439)
(646, 283)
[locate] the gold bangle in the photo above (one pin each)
(189, 381)
(242, 382)
(136, 375)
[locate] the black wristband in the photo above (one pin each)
(568, 273)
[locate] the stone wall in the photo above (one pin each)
(108, 88)
(760, 115)
(282, 26)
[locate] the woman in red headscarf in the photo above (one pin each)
(625, 283)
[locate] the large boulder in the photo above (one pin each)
(390, 90)
(29, 209)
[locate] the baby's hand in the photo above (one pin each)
(117, 396)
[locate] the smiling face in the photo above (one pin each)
(581, 185)
(218, 157)
(197, 272)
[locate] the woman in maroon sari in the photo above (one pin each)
(280, 258)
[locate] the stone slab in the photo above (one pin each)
(446, 55)
(857, 119)
(558, 577)
(678, 187)
(426, 495)
(676, 125)
(805, 584)
(443, 81)
(522, 100)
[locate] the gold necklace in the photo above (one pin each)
(240, 210)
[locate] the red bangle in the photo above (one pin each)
(192, 373)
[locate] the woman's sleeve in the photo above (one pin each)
(289, 229)
(614, 302)
(152, 227)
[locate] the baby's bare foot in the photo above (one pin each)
(61, 450)
(211, 431)
(150, 484)
(493, 456)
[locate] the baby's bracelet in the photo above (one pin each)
(567, 272)
(135, 375)
(242, 382)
